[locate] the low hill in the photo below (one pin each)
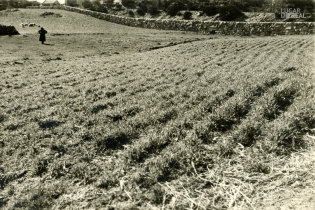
(59, 21)
(71, 35)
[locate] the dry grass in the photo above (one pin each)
(242, 184)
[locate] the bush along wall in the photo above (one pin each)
(8, 30)
(207, 27)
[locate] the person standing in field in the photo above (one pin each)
(42, 36)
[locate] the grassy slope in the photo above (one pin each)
(68, 23)
(75, 35)
(205, 124)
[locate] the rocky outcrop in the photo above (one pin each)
(207, 27)
(8, 30)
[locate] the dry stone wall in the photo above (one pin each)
(8, 30)
(207, 27)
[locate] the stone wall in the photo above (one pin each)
(207, 27)
(8, 30)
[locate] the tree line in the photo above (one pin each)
(243, 5)
(200, 5)
(8, 4)
(227, 9)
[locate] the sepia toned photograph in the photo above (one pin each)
(157, 104)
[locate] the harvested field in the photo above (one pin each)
(203, 122)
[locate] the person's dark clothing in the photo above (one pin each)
(42, 36)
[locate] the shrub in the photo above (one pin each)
(109, 3)
(210, 10)
(96, 5)
(3, 7)
(72, 3)
(278, 15)
(101, 8)
(140, 12)
(13, 3)
(192, 6)
(24, 4)
(117, 6)
(244, 6)
(131, 13)
(305, 5)
(310, 18)
(153, 10)
(174, 8)
(187, 15)
(128, 3)
(87, 4)
(3, 4)
(230, 13)
(143, 6)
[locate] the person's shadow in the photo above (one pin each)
(49, 44)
